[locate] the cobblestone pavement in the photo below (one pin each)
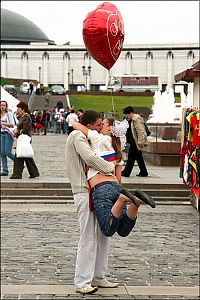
(39, 242)
(38, 248)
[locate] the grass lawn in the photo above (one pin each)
(104, 102)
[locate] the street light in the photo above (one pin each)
(39, 71)
(72, 70)
(86, 73)
(68, 74)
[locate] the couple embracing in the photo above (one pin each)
(94, 162)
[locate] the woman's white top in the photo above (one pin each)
(102, 144)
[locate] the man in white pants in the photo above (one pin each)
(93, 247)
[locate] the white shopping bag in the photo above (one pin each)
(24, 147)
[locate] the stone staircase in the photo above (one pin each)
(38, 102)
(60, 193)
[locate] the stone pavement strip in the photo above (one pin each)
(158, 260)
(121, 290)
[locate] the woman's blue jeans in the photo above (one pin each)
(104, 197)
(6, 151)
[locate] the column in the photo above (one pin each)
(4, 64)
(66, 73)
(24, 65)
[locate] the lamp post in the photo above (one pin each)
(86, 73)
(72, 71)
(68, 74)
(39, 71)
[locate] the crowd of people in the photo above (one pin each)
(94, 162)
(58, 121)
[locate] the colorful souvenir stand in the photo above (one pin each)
(190, 153)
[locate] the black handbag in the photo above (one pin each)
(148, 132)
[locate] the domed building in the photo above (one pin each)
(16, 29)
(28, 54)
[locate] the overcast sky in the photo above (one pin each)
(145, 22)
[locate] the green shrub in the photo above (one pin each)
(5, 81)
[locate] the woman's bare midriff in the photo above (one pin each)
(101, 178)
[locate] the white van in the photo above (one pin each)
(24, 88)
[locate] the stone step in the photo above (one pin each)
(39, 101)
(61, 185)
(164, 192)
(63, 202)
(170, 198)
(39, 191)
(18, 198)
(71, 202)
(38, 201)
(68, 191)
(35, 198)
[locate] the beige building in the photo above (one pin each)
(27, 53)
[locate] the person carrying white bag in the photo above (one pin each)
(24, 150)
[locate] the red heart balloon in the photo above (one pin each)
(103, 34)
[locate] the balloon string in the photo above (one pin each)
(112, 102)
(109, 79)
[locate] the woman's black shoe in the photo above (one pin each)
(15, 177)
(145, 198)
(125, 175)
(142, 174)
(126, 193)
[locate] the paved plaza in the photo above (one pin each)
(158, 260)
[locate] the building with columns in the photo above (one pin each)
(27, 53)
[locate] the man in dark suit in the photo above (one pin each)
(137, 138)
